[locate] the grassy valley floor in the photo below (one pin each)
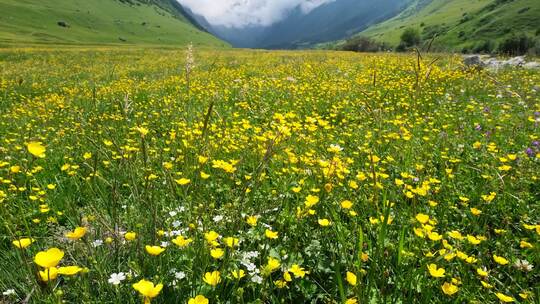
(266, 177)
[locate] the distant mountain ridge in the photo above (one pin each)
(462, 25)
(98, 22)
(331, 21)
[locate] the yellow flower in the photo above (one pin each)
(212, 278)
(475, 211)
(69, 270)
(238, 274)
(481, 272)
(231, 241)
(351, 301)
(217, 253)
(434, 236)
(271, 234)
(204, 175)
(76, 234)
(504, 298)
(500, 260)
(271, 266)
(200, 299)
(298, 271)
(211, 236)
(422, 218)
(436, 272)
(180, 241)
(311, 200)
(154, 250)
(183, 181)
(346, 204)
(147, 289)
(252, 220)
(49, 258)
(525, 244)
(87, 155)
(280, 283)
(48, 274)
(324, 222)
(351, 278)
(36, 148)
(23, 243)
(142, 130)
(449, 288)
(130, 236)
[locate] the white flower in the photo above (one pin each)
(97, 243)
(218, 218)
(180, 275)
(173, 213)
(164, 244)
(523, 265)
(117, 278)
(9, 292)
(176, 224)
(256, 279)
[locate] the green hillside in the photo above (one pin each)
(82, 22)
(461, 24)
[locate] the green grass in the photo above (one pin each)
(439, 165)
(96, 22)
(457, 29)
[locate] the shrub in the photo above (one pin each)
(363, 44)
(410, 37)
(516, 45)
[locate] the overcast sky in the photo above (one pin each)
(240, 13)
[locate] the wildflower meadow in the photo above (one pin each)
(138, 175)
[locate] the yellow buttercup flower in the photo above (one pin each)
(69, 270)
(500, 260)
(298, 271)
(154, 250)
(23, 243)
(346, 204)
(199, 299)
(36, 148)
(311, 200)
(49, 258)
(183, 181)
(181, 241)
(324, 222)
(504, 298)
(217, 253)
(130, 236)
(76, 234)
(436, 272)
(271, 234)
(48, 274)
(238, 274)
(147, 289)
(422, 218)
(351, 278)
(252, 220)
(212, 278)
(449, 288)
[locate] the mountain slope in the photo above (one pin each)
(160, 22)
(461, 24)
(331, 21)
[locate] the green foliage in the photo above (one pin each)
(409, 38)
(517, 45)
(363, 44)
(82, 22)
(462, 24)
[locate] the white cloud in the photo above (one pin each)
(241, 13)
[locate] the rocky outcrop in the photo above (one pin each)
(484, 61)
